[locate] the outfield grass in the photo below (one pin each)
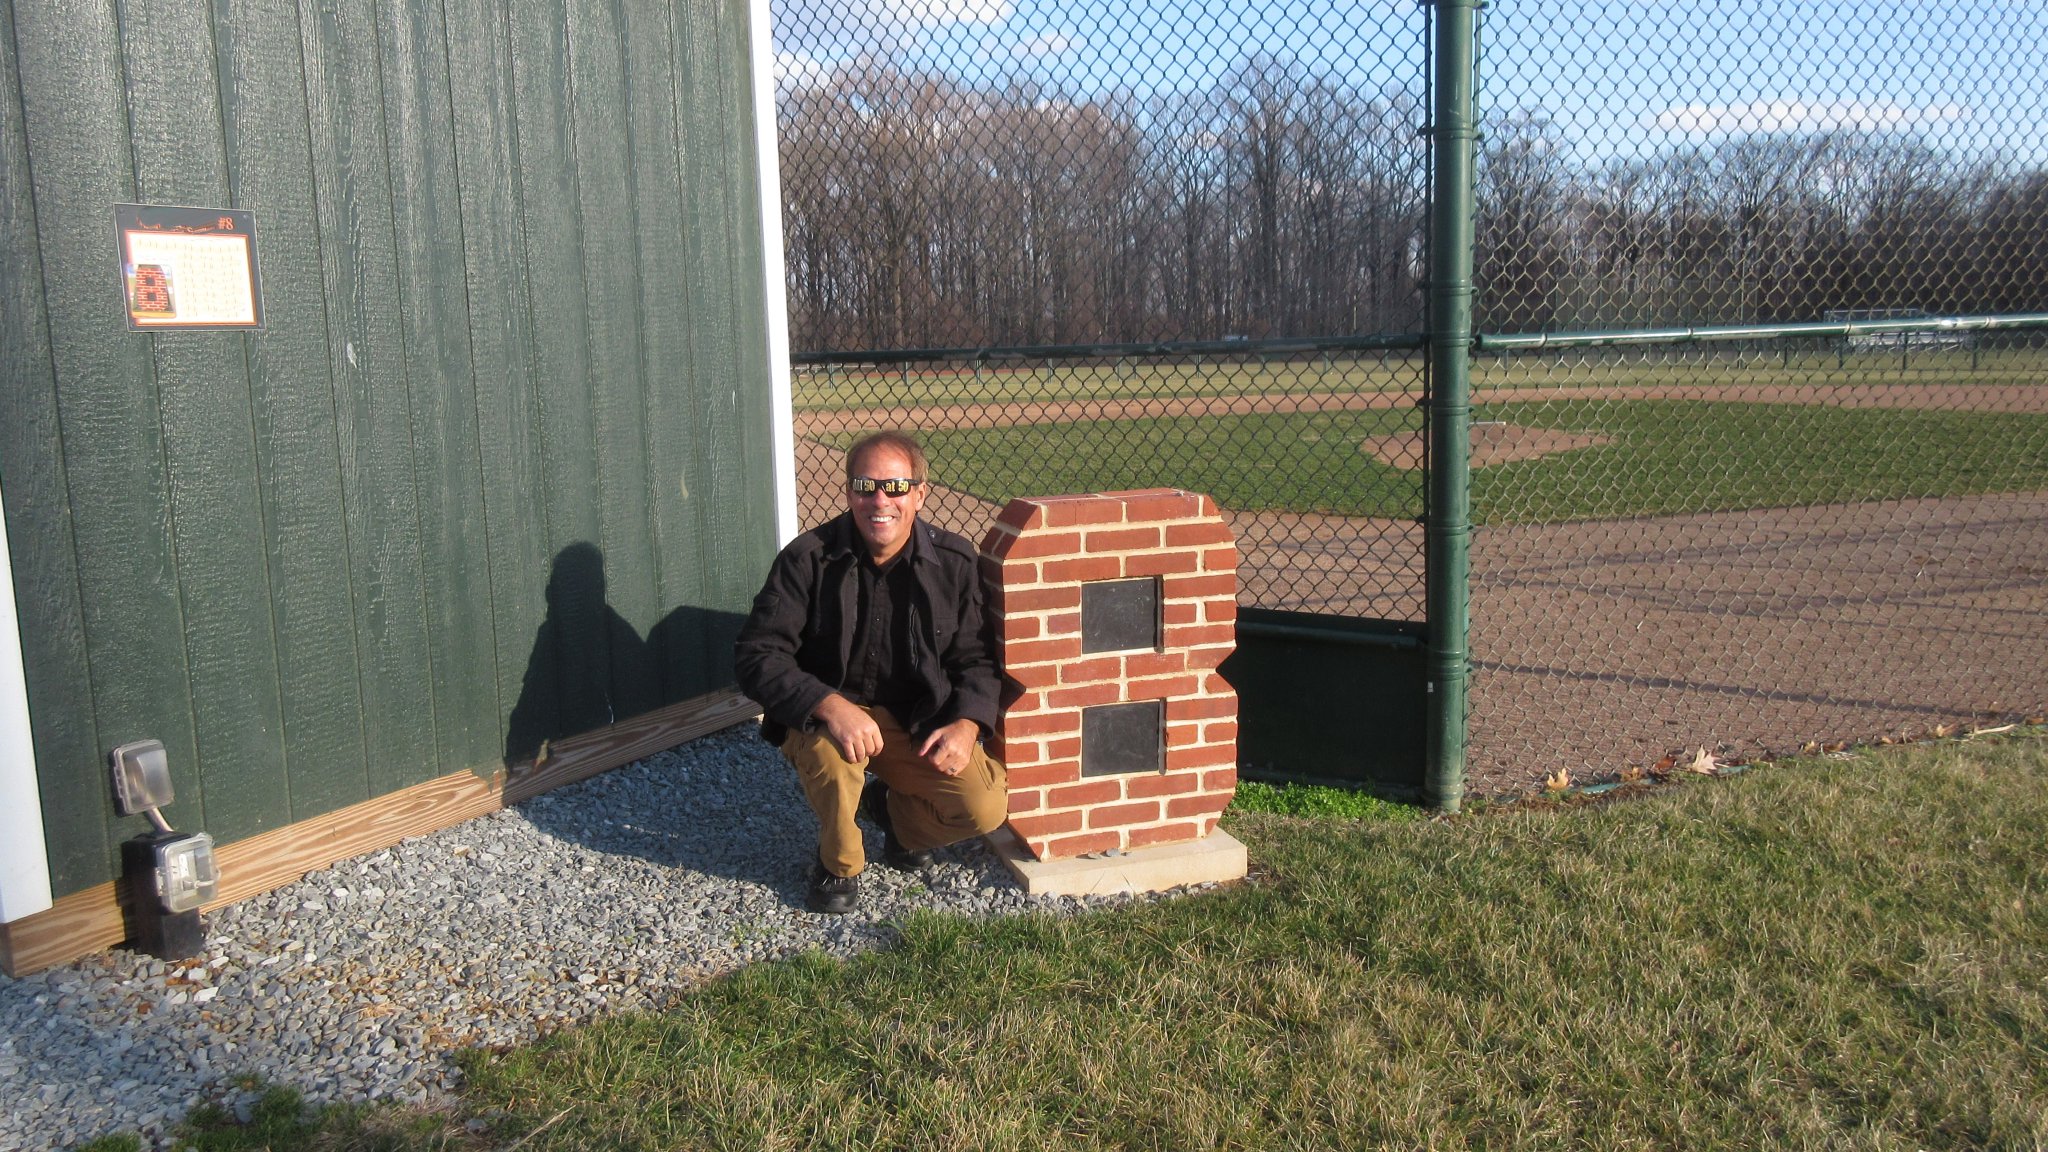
(1661, 457)
(1844, 953)
(947, 383)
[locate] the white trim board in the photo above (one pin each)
(24, 855)
(775, 297)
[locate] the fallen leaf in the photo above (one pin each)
(1632, 773)
(1559, 780)
(1704, 763)
(1944, 731)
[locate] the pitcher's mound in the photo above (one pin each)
(1493, 442)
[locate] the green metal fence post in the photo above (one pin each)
(1448, 530)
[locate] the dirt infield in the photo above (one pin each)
(1602, 645)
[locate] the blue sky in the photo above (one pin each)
(1618, 77)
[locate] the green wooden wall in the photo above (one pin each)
(497, 467)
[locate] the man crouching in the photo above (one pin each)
(868, 651)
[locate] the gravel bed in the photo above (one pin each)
(357, 982)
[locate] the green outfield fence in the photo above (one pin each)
(1591, 387)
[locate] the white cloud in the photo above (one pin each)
(1801, 116)
(800, 70)
(1050, 44)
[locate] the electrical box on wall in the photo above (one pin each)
(166, 875)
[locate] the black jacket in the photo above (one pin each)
(794, 648)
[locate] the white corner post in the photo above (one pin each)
(775, 292)
(24, 857)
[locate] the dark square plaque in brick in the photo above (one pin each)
(1120, 738)
(1119, 614)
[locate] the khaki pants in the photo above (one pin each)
(928, 808)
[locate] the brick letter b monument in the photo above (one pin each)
(1113, 611)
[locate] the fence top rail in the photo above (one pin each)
(1523, 341)
(1283, 347)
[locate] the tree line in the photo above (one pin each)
(920, 211)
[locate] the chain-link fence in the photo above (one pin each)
(1139, 243)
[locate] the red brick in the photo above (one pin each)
(1209, 825)
(1201, 707)
(1031, 777)
(1086, 695)
(1183, 735)
(1025, 800)
(1022, 751)
(1221, 780)
(1200, 756)
(1161, 563)
(1086, 792)
(1082, 569)
(1220, 731)
(1040, 599)
(995, 541)
(1063, 623)
(1035, 651)
(1123, 815)
(1068, 748)
(1197, 635)
(1210, 657)
(1164, 504)
(1014, 575)
(1083, 511)
(1162, 687)
(1040, 544)
(1022, 627)
(1095, 668)
(1160, 784)
(1204, 804)
(1213, 684)
(1209, 507)
(1070, 846)
(1020, 514)
(1125, 495)
(1219, 611)
(1026, 702)
(1040, 724)
(1219, 560)
(1182, 612)
(1046, 824)
(1036, 676)
(1122, 539)
(1155, 664)
(1200, 532)
(1164, 834)
(1196, 587)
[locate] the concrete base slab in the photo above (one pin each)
(1215, 857)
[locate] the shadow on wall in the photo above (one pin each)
(590, 668)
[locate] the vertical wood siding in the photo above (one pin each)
(496, 470)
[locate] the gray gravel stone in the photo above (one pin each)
(361, 980)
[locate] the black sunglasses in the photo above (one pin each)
(868, 485)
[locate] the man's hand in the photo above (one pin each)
(851, 729)
(950, 748)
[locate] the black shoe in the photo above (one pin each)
(874, 804)
(832, 895)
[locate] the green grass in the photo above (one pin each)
(1318, 800)
(948, 382)
(1837, 953)
(1660, 457)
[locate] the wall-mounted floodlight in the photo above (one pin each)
(167, 874)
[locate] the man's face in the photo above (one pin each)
(884, 520)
